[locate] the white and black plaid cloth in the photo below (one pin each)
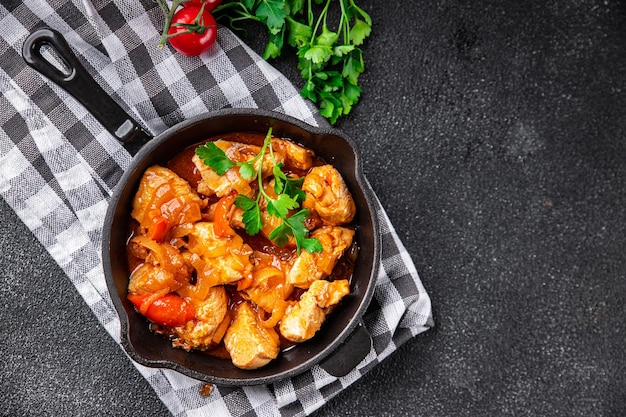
(58, 167)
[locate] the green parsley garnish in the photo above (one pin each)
(289, 196)
(330, 61)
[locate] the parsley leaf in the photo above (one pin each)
(279, 178)
(252, 214)
(359, 31)
(300, 232)
(281, 234)
(327, 37)
(246, 170)
(280, 206)
(252, 219)
(273, 13)
(353, 66)
(318, 54)
(214, 157)
(244, 202)
(298, 34)
(311, 245)
(293, 188)
(274, 45)
(342, 50)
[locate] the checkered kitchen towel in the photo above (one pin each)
(70, 165)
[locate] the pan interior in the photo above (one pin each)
(155, 350)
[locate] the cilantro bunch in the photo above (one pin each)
(329, 57)
(289, 196)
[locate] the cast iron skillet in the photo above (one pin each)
(342, 342)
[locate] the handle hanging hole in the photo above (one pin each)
(50, 54)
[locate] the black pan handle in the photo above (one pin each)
(75, 79)
(350, 353)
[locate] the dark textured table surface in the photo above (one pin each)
(494, 134)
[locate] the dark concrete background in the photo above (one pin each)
(495, 135)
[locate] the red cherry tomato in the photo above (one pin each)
(193, 30)
(170, 310)
(209, 4)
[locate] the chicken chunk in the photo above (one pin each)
(149, 279)
(250, 344)
(328, 196)
(221, 185)
(222, 259)
(269, 290)
(304, 318)
(162, 194)
(163, 267)
(210, 323)
(310, 267)
(294, 155)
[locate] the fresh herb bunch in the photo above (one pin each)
(289, 196)
(330, 60)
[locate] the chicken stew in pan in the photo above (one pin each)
(241, 246)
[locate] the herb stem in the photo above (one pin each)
(344, 23)
(260, 155)
(310, 13)
(321, 17)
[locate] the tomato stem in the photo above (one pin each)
(169, 14)
(197, 26)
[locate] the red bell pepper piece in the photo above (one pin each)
(169, 310)
(157, 228)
